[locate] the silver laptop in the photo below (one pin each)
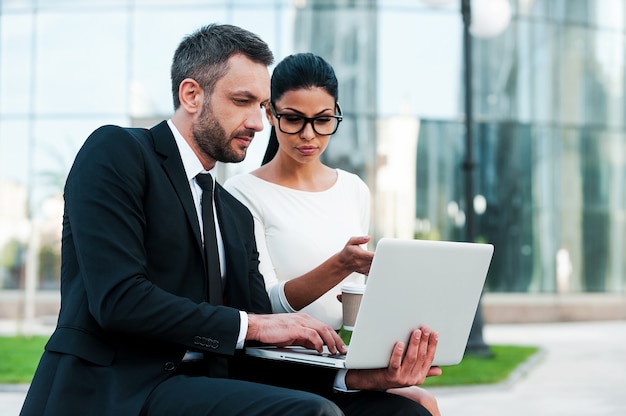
(411, 283)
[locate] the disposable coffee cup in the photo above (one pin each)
(351, 295)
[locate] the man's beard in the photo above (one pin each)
(213, 140)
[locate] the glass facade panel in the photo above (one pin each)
(404, 54)
(609, 14)
(16, 64)
(152, 52)
(439, 211)
(15, 150)
(16, 5)
(68, 61)
(74, 5)
(547, 94)
(544, 203)
(14, 223)
(605, 79)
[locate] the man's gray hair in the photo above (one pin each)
(204, 54)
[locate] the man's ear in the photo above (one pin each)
(190, 95)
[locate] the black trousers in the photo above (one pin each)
(377, 403)
(188, 392)
(200, 396)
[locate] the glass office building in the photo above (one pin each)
(549, 142)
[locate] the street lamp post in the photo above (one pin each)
(475, 344)
(485, 19)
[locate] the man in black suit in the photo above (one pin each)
(136, 332)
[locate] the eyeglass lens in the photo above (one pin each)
(292, 124)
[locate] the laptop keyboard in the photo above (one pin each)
(338, 355)
(327, 353)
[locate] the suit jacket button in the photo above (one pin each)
(169, 366)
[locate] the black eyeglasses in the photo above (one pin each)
(294, 124)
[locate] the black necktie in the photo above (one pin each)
(211, 256)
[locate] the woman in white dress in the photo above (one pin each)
(311, 220)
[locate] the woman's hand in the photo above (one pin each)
(354, 258)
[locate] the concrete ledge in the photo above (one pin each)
(501, 308)
(47, 303)
(498, 308)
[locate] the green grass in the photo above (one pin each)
(20, 356)
(484, 370)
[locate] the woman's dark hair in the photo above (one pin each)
(295, 72)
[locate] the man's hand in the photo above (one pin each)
(404, 370)
(294, 329)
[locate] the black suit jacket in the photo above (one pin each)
(133, 284)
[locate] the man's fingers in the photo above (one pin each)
(423, 348)
(432, 346)
(320, 334)
(416, 363)
(434, 371)
(413, 351)
(395, 363)
(332, 340)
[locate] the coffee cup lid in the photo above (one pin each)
(353, 287)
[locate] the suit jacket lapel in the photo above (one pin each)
(165, 145)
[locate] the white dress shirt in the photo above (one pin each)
(193, 167)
